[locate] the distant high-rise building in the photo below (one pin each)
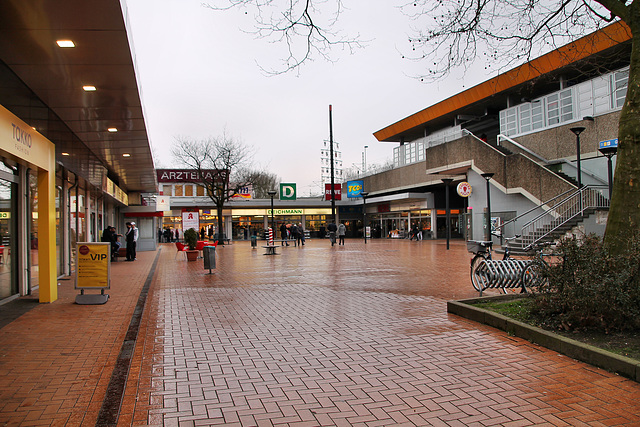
(325, 163)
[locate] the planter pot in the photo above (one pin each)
(192, 255)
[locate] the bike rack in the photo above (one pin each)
(503, 274)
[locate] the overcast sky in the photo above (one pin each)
(199, 75)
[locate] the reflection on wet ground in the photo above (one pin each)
(349, 335)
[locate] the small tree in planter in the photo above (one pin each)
(191, 239)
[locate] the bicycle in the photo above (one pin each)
(482, 252)
(533, 276)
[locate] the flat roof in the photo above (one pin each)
(606, 38)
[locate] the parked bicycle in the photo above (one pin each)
(533, 276)
(482, 250)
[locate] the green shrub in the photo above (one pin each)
(191, 238)
(590, 289)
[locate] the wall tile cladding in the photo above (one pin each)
(560, 142)
(513, 171)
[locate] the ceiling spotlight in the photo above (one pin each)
(112, 129)
(65, 154)
(126, 155)
(66, 43)
(89, 88)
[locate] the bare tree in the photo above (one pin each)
(304, 27)
(222, 165)
(263, 182)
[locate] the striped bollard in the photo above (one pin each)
(270, 237)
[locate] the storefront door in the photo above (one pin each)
(8, 211)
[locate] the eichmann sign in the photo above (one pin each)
(286, 211)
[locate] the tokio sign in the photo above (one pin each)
(464, 189)
(337, 191)
(288, 191)
(354, 188)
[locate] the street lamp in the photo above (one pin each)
(609, 151)
(578, 130)
(447, 182)
(272, 193)
(364, 195)
(487, 234)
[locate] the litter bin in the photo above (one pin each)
(254, 241)
(209, 255)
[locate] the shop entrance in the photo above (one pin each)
(8, 213)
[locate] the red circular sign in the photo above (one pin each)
(84, 249)
(464, 189)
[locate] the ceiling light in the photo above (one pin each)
(126, 155)
(113, 129)
(65, 154)
(66, 43)
(89, 88)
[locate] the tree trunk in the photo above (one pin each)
(624, 214)
(220, 226)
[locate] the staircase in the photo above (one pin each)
(559, 216)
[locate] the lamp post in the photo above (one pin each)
(609, 151)
(447, 182)
(578, 130)
(272, 193)
(364, 195)
(487, 233)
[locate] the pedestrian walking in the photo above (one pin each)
(294, 234)
(300, 235)
(284, 233)
(332, 232)
(342, 231)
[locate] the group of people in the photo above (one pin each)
(169, 235)
(292, 232)
(110, 235)
(341, 231)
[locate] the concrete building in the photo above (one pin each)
(524, 127)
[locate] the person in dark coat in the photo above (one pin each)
(284, 233)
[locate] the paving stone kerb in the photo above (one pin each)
(611, 362)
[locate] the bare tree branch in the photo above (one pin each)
(304, 28)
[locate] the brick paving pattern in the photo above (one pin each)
(314, 336)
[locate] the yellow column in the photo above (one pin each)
(47, 232)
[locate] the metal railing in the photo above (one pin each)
(545, 224)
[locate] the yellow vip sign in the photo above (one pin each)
(94, 265)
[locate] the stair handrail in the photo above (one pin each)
(571, 205)
(543, 205)
(522, 147)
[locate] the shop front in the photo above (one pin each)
(27, 224)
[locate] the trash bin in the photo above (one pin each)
(254, 241)
(209, 255)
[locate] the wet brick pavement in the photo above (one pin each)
(353, 335)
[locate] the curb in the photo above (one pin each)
(606, 360)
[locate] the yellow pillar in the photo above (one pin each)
(47, 232)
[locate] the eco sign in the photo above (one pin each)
(287, 191)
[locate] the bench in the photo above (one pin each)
(122, 252)
(224, 239)
(271, 250)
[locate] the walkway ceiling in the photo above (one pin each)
(102, 57)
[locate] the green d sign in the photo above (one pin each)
(287, 191)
